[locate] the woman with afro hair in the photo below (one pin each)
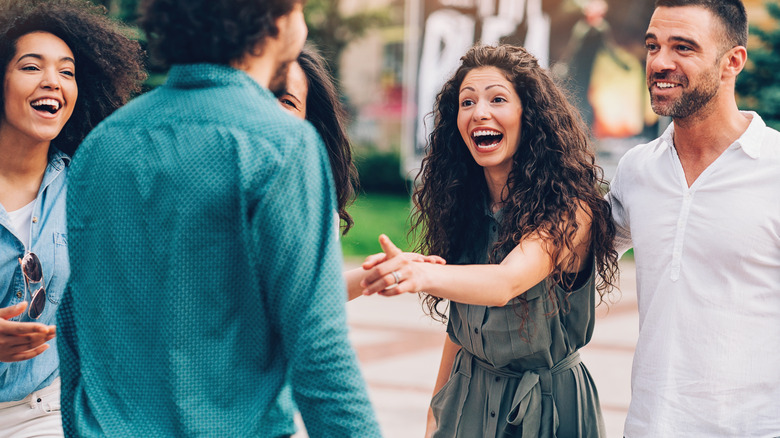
(65, 67)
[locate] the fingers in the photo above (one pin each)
(373, 260)
(13, 311)
(17, 356)
(388, 247)
(395, 282)
(15, 348)
(435, 260)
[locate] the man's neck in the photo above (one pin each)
(701, 138)
(260, 68)
(711, 133)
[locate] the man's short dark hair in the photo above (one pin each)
(731, 14)
(209, 31)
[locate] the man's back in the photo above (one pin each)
(205, 261)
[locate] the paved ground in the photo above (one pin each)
(399, 350)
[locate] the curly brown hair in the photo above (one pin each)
(553, 176)
(209, 31)
(109, 67)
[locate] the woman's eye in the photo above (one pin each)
(467, 102)
(68, 73)
(287, 102)
(499, 99)
(30, 68)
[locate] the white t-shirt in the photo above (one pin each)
(707, 362)
(20, 221)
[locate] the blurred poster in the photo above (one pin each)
(594, 48)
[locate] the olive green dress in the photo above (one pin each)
(511, 383)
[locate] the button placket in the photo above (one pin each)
(679, 238)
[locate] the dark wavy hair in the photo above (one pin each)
(553, 176)
(209, 31)
(325, 111)
(109, 67)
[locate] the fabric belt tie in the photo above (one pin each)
(534, 391)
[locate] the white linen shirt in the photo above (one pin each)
(707, 362)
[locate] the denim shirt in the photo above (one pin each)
(49, 241)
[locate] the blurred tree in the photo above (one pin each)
(331, 31)
(758, 86)
(125, 10)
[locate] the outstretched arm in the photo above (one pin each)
(354, 277)
(530, 262)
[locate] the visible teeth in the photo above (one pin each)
(47, 102)
(665, 85)
(484, 133)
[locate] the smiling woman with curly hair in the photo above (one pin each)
(510, 196)
(65, 67)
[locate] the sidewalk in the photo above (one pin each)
(399, 349)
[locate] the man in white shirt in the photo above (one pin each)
(701, 207)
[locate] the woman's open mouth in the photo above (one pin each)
(50, 106)
(486, 138)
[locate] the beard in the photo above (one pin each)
(691, 101)
(278, 83)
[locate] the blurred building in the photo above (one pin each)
(391, 76)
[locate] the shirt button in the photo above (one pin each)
(19, 294)
(476, 330)
(35, 220)
(498, 379)
(492, 413)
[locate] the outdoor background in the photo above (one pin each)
(389, 59)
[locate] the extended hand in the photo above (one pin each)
(22, 340)
(393, 271)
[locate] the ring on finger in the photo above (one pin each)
(397, 278)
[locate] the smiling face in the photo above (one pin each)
(684, 54)
(294, 98)
(40, 88)
(489, 119)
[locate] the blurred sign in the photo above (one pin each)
(562, 33)
(451, 27)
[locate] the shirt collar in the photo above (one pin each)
(58, 159)
(211, 75)
(750, 140)
(753, 137)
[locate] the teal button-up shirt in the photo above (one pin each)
(204, 267)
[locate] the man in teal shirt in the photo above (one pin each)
(205, 265)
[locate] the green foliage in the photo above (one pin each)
(380, 172)
(124, 10)
(759, 84)
(331, 31)
(377, 214)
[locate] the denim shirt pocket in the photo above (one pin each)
(61, 268)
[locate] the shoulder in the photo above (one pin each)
(642, 151)
(771, 143)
